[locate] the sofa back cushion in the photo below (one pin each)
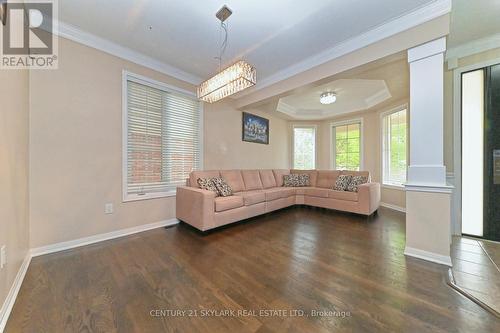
(267, 178)
(251, 178)
(234, 179)
(327, 178)
(194, 175)
(357, 173)
(278, 176)
(313, 175)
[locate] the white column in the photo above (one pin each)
(426, 114)
(427, 194)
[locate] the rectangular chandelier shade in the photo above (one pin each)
(231, 80)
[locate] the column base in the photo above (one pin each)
(429, 256)
(428, 224)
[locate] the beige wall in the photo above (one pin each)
(224, 148)
(448, 100)
(14, 133)
(371, 148)
(76, 145)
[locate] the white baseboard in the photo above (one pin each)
(429, 256)
(35, 252)
(393, 207)
(14, 290)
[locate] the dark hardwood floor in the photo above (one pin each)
(300, 258)
(476, 270)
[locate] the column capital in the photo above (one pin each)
(427, 50)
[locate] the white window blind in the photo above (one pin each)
(304, 147)
(394, 147)
(163, 139)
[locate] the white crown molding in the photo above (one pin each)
(417, 17)
(429, 256)
(73, 33)
(35, 252)
(14, 290)
(474, 47)
(393, 207)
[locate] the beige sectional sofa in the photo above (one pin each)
(258, 192)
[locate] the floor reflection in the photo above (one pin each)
(476, 270)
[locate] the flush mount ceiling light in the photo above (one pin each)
(327, 97)
(231, 80)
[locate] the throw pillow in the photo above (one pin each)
(222, 187)
(296, 180)
(207, 184)
(355, 182)
(342, 182)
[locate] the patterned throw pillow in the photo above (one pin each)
(207, 184)
(342, 182)
(355, 182)
(296, 180)
(222, 187)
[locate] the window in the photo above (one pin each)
(394, 129)
(162, 138)
(346, 145)
(304, 147)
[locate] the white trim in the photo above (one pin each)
(429, 188)
(57, 247)
(417, 17)
(427, 50)
(401, 107)
(473, 47)
(393, 207)
(393, 187)
(299, 125)
(14, 290)
(457, 140)
(141, 79)
(429, 256)
(75, 34)
(361, 143)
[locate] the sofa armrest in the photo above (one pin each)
(369, 197)
(195, 207)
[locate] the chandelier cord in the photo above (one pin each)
(223, 46)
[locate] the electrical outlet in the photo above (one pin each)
(3, 256)
(108, 208)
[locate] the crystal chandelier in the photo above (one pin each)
(231, 80)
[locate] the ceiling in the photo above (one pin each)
(272, 35)
(352, 95)
(374, 86)
(473, 19)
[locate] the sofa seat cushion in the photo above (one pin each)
(278, 193)
(343, 195)
(252, 197)
(227, 203)
(313, 192)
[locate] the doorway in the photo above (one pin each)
(481, 152)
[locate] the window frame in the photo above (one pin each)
(315, 127)
(399, 108)
(333, 150)
(129, 76)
